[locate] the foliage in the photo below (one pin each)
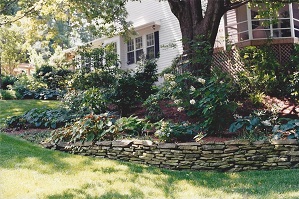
(8, 80)
(145, 77)
(125, 93)
(261, 73)
(41, 118)
(7, 94)
(12, 49)
(11, 108)
(52, 77)
(26, 85)
(288, 128)
(95, 99)
(93, 128)
(209, 100)
(153, 109)
(294, 86)
(263, 125)
(97, 68)
(47, 94)
(170, 132)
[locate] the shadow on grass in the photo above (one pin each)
(81, 193)
(14, 150)
(254, 184)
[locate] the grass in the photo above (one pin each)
(9, 108)
(28, 171)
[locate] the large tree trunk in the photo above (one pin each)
(198, 31)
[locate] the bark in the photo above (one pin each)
(197, 28)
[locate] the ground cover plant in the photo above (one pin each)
(42, 173)
(10, 108)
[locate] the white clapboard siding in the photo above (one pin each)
(147, 12)
(232, 26)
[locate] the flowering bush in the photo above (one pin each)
(207, 99)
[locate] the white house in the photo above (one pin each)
(157, 28)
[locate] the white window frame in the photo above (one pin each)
(141, 44)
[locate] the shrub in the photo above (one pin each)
(54, 78)
(7, 94)
(26, 86)
(145, 77)
(209, 100)
(153, 109)
(8, 80)
(263, 73)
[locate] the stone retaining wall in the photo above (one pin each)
(238, 155)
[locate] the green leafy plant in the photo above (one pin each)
(41, 118)
(288, 130)
(171, 132)
(7, 94)
(100, 127)
(153, 109)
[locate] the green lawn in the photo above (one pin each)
(28, 171)
(9, 108)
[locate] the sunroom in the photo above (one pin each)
(244, 26)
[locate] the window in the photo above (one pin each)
(150, 46)
(130, 49)
(136, 47)
(139, 49)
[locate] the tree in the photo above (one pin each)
(196, 19)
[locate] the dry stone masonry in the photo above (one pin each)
(232, 156)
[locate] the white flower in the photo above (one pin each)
(201, 80)
(178, 101)
(180, 109)
(169, 77)
(221, 82)
(192, 101)
(173, 83)
(192, 88)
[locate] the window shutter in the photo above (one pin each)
(157, 45)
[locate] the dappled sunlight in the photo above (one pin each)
(28, 171)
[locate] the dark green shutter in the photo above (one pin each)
(157, 45)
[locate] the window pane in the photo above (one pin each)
(150, 52)
(139, 54)
(130, 58)
(138, 41)
(150, 41)
(130, 45)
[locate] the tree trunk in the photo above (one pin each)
(198, 31)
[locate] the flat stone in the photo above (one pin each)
(284, 142)
(122, 143)
(167, 146)
(143, 142)
(104, 143)
(294, 159)
(189, 144)
(294, 153)
(212, 147)
(188, 147)
(237, 142)
(231, 149)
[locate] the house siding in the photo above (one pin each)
(169, 30)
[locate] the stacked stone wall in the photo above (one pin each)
(235, 155)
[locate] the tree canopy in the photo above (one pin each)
(57, 21)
